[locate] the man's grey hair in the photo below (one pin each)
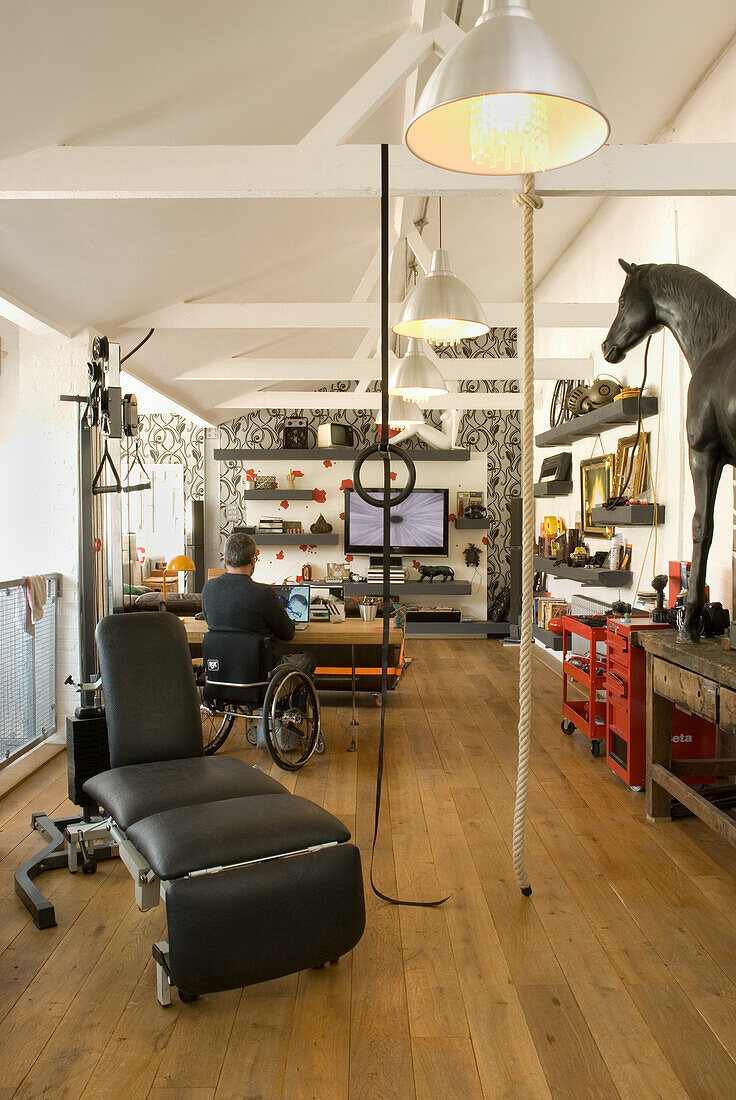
(240, 550)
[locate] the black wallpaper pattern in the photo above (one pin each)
(171, 438)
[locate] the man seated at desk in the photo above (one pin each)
(234, 601)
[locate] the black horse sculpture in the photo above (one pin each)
(702, 318)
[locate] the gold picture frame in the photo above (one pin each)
(596, 475)
(631, 459)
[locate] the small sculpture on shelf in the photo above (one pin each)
(320, 526)
(446, 572)
(475, 511)
(471, 553)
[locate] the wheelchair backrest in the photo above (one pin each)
(151, 701)
(234, 665)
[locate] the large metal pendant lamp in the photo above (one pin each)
(441, 309)
(416, 377)
(507, 100)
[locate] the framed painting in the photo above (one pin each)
(630, 473)
(596, 475)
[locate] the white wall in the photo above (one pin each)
(38, 475)
(698, 232)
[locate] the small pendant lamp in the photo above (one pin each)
(441, 309)
(401, 414)
(507, 100)
(416, 377)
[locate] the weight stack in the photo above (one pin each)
(87, 754)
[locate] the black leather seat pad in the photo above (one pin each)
(140, 790)
(234, 831)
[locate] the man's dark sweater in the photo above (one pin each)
(234, 601)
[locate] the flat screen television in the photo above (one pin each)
(418, 524)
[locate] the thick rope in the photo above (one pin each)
(529, 201)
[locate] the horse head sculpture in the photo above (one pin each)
(702, 317)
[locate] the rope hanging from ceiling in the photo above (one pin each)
(529, 201)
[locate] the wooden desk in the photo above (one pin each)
(701, 679)
(352, 632)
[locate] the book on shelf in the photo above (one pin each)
(548, 607)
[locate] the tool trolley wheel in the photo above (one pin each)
(292, 718)
(595, 747)
(567, 726)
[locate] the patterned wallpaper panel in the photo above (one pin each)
(493, 431)
(172, 438)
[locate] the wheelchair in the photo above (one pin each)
(235, 681)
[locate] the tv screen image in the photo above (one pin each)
(418, 524)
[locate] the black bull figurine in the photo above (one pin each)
(702, 318)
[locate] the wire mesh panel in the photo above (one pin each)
(27, 669)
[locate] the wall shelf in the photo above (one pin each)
(278, 494)
(615, 415)
(629, 515)
(288, 538)
(552, 488)
(463, 524)
(547, 638)
(336, 454)
(410, 588)
(586, 575)
(479, 629)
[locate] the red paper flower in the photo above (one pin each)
(451, 517)
(280, 555)
(484, 540)
(393, 475)
(285, 504)
(348, 557)
(250, 475)
(327, 462)
(416, 565)
(342, 515)
(303, 547)
(297, 473)
(319, 495)
(347, 483)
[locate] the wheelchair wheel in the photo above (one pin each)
(216, 726)
(292, 718)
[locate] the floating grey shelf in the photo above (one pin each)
(547, 638)
(288, 538)
(348, 454)
(479, 628)
(586, 575)
(552, 488)
(628, 515)
(463, 524)
(614, 415)
(278, 494)
(410, 588)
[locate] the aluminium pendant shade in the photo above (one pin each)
(416, 377)
(401, 414)
(441, 308)
(507, 100)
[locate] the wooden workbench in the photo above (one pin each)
(701, 679)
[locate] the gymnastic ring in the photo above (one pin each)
(389, 449)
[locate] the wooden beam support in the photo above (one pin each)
(373, 89)
(345, 171)
(349, 315)
(331, 399)
(333, 370)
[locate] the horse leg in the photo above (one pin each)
(706, 468)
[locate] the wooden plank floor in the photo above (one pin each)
(617, 978)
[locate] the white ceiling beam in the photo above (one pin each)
(30, 319)
(346, 171)
(349, 315)
(426, 14)
(373, 89)
(420, 250)
(334, 370)
(331, 399)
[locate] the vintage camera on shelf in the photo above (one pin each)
(583, 399)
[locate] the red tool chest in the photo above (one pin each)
(589, 671)
(626, 719)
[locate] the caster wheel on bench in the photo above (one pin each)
(187, 998)
(89, 866)
(595, 748)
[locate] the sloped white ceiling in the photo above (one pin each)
(102, 72)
